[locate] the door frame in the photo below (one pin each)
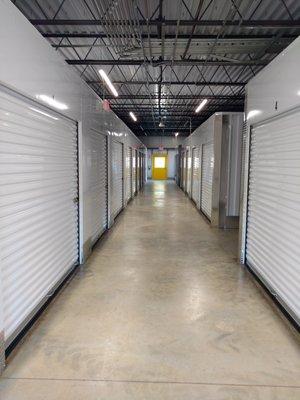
(164, 155)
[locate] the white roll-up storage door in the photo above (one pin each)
(189, 173)
(207, 171)
(195, 175)
(117, 178)
(128, 166)
(38, 206)
(184, 172)
(273, 228)
(133, 172)
(98, 184)
(138, 170)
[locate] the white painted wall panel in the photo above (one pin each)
(38, 207)
(171, 163)
(207, 178)
(196, 175)
(134, 172)
(234, 164)
(128, 174)
(276, 88)
(272, 247)
(189, 171)
(98, 183)
(117, 178)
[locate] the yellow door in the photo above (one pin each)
(159, 166)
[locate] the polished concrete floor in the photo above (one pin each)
(161, 310)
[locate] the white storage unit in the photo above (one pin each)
(185, 162)
(189, 172)
(98, 184)
(196, 175)
(128, 168)
(273, 223)
(138, 170)
(182, 181)
(38, 206)
(117, 178)
(134, 186)
(207, 171)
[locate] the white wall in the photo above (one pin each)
(30, 66)
(166, 141)
(277, 82)
(225, 131)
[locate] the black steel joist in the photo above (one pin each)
(173, 83)
(158, 63)
(175, 97)
(270, 24)
(95, 35)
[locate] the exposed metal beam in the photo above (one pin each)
(169, 108)
(178, 83)
(168, 128)
(169, 62)
(269, 23)
(175, 97)
(200, 4)
(178, 113)
(167, 36)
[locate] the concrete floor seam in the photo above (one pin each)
(154, 382)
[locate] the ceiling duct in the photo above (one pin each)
(122, 36)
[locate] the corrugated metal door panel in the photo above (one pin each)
(189, 173)
(195, 175)
(98, 184)
(273, 230)
(128, 165)
(138, 170)
(185, 171)
(133, 172)
(207, 178)
(38, 206)
(117, 177)
(182, 170)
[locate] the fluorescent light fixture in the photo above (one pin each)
(108, 82)
(201, 105)
(133, 116)
(43, 113)
(52, 102)
(176, 134)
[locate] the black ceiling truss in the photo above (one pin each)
(270, 24)
(159, 63)
(164, 63)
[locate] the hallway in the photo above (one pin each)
(161, 310)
